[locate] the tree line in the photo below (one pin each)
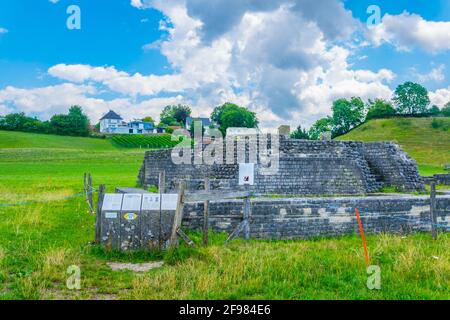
(75, 123)
(410, 99)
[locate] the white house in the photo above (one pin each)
(113, 123)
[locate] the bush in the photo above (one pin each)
(380, 109)
(446, 110)
(440, 124)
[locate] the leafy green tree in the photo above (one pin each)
(175, 115)
(347, 114)
(434, 110)
(148, 119)
(300, 133)
(446, 110)
(411, 98)
(380, 109)
(319, 127)
(231, 115)
(20, 122)
(75, 123)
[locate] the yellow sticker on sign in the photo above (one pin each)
(130, 216)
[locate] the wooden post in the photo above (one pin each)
(161, 189)
(84, 184)
(206, 215)
(98, 219)
(178, 214)
(90, 191)
(433, 210)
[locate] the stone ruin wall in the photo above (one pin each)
(305, 168)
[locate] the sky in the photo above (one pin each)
(286, 60)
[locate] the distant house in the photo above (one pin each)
(112, 123)
(138, 126)
(206, 123)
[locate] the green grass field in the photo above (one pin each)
(40, 241)
(428, 145)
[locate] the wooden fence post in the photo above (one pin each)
(178, 214)
(206, 215)
(98, 219)
(161, 189)
(433, 210)
(90, 191)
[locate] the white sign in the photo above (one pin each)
(111, 215)
(246, 173)
(112, 202)
(132, 202)
(152, 202)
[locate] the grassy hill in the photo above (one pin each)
(40, 241)
(426, 140)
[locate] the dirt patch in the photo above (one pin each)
(135, 267)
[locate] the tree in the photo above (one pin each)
(148, 119)
(20, 122)
(434, 110)
(175, 115)
(411, 98)
(347, 114)
(75, 123)
(300, 133)
(320, 126)
(231, 115)
(379, 109)
(446, 110)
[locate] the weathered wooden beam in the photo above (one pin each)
(98, 219)
(185, 238)
(236, 231)
(178, 218)
(215, 195)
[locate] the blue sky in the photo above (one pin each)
(285, 59)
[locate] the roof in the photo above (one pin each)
(205, 121)
(111, 115)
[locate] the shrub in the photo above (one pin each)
(380, 109)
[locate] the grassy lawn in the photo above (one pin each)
(428, 145)
(39, 242)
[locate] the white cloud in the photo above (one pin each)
(3, 30)
(406, 31)
(278, 60)
(47, 101)
(440, 97)
(54, 1)
(435, 75)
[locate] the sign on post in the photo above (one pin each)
(246, 174)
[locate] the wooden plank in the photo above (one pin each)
(185, 238)
(90, 192)
(206, 215)
(236, 232)
(433, 210)
(202, 196)
(178, 214)
(98, 220)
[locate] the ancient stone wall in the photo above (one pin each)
(304, 168)
(311, 217)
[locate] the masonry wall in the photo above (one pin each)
(309, 217)
(305, 168)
